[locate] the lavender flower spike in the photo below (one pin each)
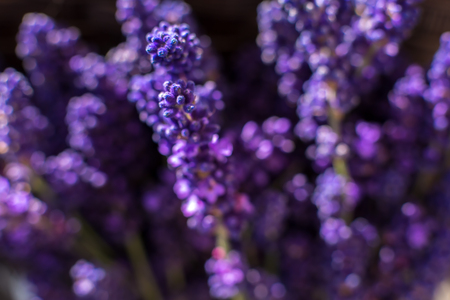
(174, 46)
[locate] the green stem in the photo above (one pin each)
(427, 178)
(271, 259)
(41, 188)
(239, 296)
(340, 166)
(91, 243)
(367, 60)
(87, 242)
(175, 275)
(142, 270)
(222, 236)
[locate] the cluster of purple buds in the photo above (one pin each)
(138, 17)
(178, 99)
(174, 47)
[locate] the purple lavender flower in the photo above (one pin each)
(46, 50)
(27, 223)
(81, 116)
(391, 20)
(189, 139)
(91, 117)
(68, 167)
(437, 94)
(276, 34)
(178, 97)
(174, 47)
(225, 273)
(334, 195)
(138, 17)
(22, 127)
(135, 14)
(274, 133)
(264, 151)
(92, 282)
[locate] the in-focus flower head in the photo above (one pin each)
(174, 46)
(184, 115)
(177, 96)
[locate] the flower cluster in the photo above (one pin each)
(173, 46)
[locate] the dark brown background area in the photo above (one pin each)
(230, 23)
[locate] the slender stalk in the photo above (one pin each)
(340, 166)
(41, 188)
(175, 275)
(335, 118)
(222, 235)
(142, 270)
(427, 178)
(239, 296)
(90, 242)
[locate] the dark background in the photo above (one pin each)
(230, 23)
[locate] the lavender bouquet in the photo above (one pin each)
(318, 171)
